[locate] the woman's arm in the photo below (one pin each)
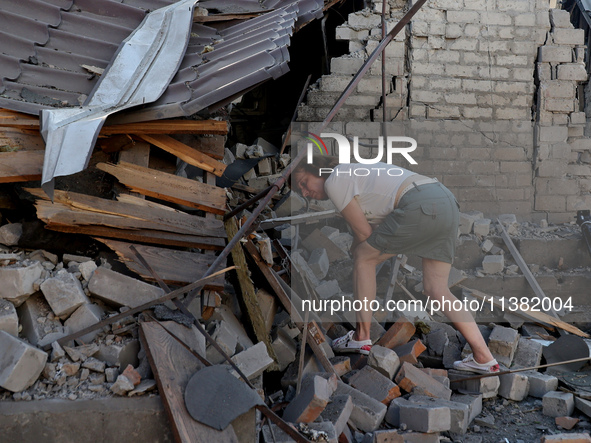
(354, 216)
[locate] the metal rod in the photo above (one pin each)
(513, 371)
(246, 204)
(384, 87)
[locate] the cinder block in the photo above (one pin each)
(86, 315)
(555, 54)
(560, 18)
(459, 412)
(120, 290)
(225, 313)
(17, 282)
(564, 36)
(425, 417)
(482, 227)
(319, 263)
(493, 264)
(20, 363)
(583, 405)
(253, 361)
(338, 412)
(384, 360)
(514, 386)
(558, 404)
(474, 402)
(488, 387)
(540, 384)
(414, 381)
(528, 353)
(503, 343)
(572, 71)
(310, 402)
(368, 413)
(374, 384)
(8, 318)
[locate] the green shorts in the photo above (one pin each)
(425, 224)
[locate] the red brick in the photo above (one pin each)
(132, 375)
(398, 334)
(415, 381)
(371, 382)
(566, 422)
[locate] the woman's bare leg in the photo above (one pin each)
(364, 284)
(435, 278)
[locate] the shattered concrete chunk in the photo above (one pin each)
(120, 290)
(253, 361)
(122, 386)
(11, 233)
(63, 293)
(18, 281)
(311, 401)
(20, 363)
(8, 318)
(86, 315)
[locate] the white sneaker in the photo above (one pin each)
(347, 344)
(470, 365)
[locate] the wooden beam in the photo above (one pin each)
(186, 153)
(173, 365)
(249, 297)
(20, 166)
(215, 127)
(168, 187)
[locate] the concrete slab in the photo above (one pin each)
(120, 290)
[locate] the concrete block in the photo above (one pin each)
(393, 414)
(415, 381)
(86, 315)
(338, 412)
(567, 438)
(564, 36)
(482, 227)
(374, 384)
(17, 281)
(459, 411)
(527, 354)
(572, 71)
(8, 318)
(319, 263)
(87, 269)
(467, 221)
(583, 405)
(555, 54)
(63, 293)
(425, 417)
(120, 290)
(310, 402)
(560, 18)
(368, 413)
(20, 363)
(385, 436)
(224, 313)
(120, 355)
(410, 351)
(514, 386)
(34, 316)
(558, 404)
(540, 384)
(488, 387)
(421, 437)
(328, 289)
(341, 364)
(300, 265)
(384, 360)
(253, 361)
(474, 402)
(11, 233)
(493, 264)
(285, 349)
(503, 343)
(226, 338)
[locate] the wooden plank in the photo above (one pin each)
(168, 187)
(19, 166)
(536, 316)
(82, 208)
(249, 297)
(212, 145)
(186, 153)
(174, 267)
(138, 154)
(215, 127)
(173, 365)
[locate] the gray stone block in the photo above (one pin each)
(120, 354)
(319, 263)
(63, 293)
(374, 384)
(226, 338)
(393, 414)
(338, 411)
(310, 402)
(86, 315)
(558, 404)
(384, 360)
(327, 289)
(482, 227)
(20, 363)
(8, 318)
(514, 386)
(474, 402)
(503, 343)
(540, 384)
(120, 290)
(493, 264)
(368, 413)
(18, 281)
(11, 233)
(459, 411)
(527, 354)
(424, 417)
(253, 361)
(488, 387)
(34, 316)
(285, 349)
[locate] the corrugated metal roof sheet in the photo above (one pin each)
(44, 43)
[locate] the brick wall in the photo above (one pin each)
(492, 89)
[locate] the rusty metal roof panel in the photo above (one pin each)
(42, 67)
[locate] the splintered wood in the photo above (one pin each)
(168, 187)
(79, 213)
(174, 267)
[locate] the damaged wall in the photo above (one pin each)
(495, 89)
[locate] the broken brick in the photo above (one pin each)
(410, 351)
(374, 384)
(414, 381)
